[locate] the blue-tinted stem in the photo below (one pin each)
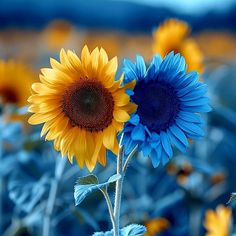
(110, 208)
(52, 196)
(118, 191)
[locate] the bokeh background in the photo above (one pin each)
(171, 200)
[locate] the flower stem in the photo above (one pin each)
(109, 205)
(134, 151)
(52, 196)
(118, 191)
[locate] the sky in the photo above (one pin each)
(190, 6)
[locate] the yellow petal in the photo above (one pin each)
(103, 58)
(98, 145)
(102, 156)
(109, 135)
(120, 98)
(85, 56)
(121, 115)
(41, 118)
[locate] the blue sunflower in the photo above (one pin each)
(169, 102)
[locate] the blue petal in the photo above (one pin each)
(181, 64)
(146, 149)
(157, 60)
(167, 61)
(138, 133)
(134, 119)
(153, 69)
(164, 158)
(151, 72)
(186, 90)
(203, 108)
(128, 143)
(197, 102)
(191, 117)
(155, 158)
(141, 67)
(154, 140)
(129, 70)
(166, 144)
(128, 128)
(194, 94)
(189, 79)
(179, 134)
(190, 127)
(176, 142)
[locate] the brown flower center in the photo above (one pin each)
(8, 95)
(88, 105)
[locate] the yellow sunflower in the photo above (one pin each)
(81, 105)
(173, 35)
(15, 83)
(217, 223)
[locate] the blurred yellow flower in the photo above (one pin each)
(156, 225)
(173, 35)
(217, 223)
(57, 34)
(15, 83)
(82, 105)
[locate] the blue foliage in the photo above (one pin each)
(130, 230)
(88, 184)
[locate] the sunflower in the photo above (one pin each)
(169, 102)
(218, 223)
(15, 83)
(81, 105)
(173, 35)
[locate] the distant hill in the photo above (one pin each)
(107, 14)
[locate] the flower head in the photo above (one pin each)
(15, 83)
(172, 35)
(81, 105)
(169, 102)
(218, 222)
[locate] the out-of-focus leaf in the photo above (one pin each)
(130, 230)
(25, 193)
(232, 197)
(88, 184)
(133, 230)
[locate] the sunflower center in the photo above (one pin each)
(158, 104)
(88, 105)
(8, 95)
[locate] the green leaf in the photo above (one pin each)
(88, 184)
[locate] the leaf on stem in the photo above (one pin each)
(88, 184)
(130, 230)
